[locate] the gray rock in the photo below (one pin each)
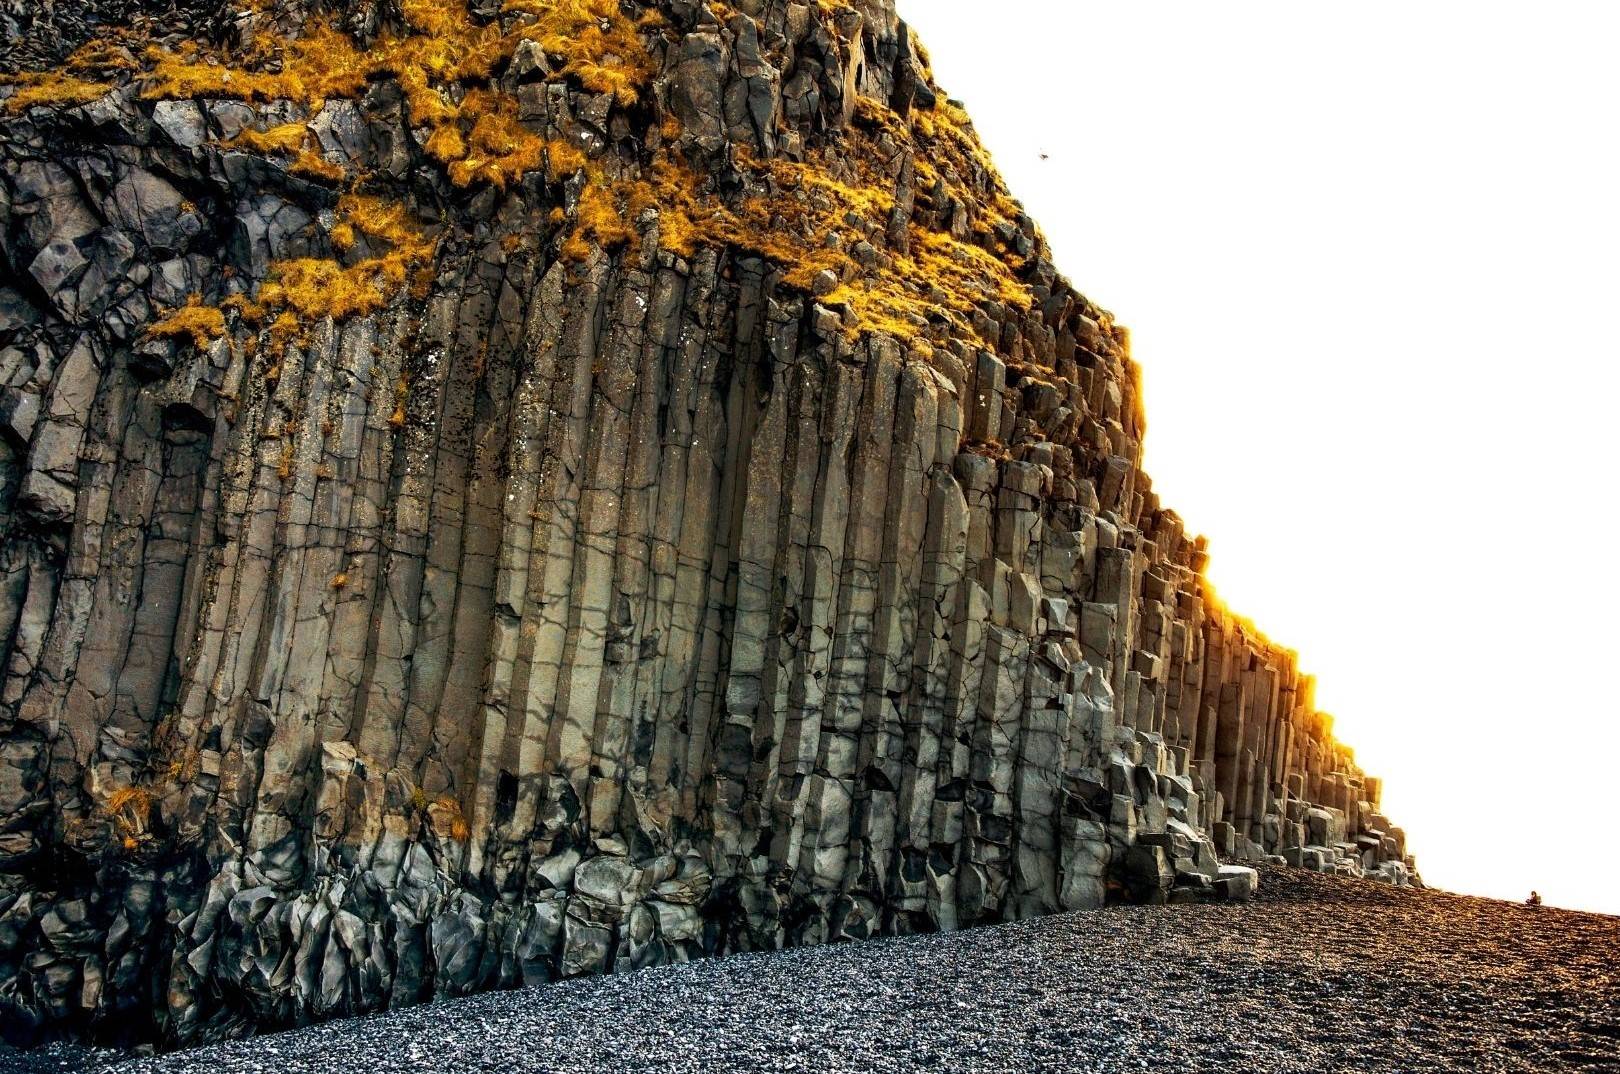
(497, 569)
(1236, 883)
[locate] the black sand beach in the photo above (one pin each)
(1318, 974)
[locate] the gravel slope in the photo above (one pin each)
(1319, 974)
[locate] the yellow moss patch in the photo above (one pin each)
(194, 321)
(942, 278)
(50, 88)
(402, 388)
(302, 290)
(283, 138)
(806, 216)
(100, 57)
(320, 64)
(285, 330)
(596, 44)
(498, 149)
(131, 811)
(963, 266)
(446, 144)
(316, 287)
(311, 165)
(292, 139)
(387, 222)
(605, 217)
(599, 47)
(448, 820)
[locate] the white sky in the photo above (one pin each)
(1370, 257)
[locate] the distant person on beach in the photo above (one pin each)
(1534, 899)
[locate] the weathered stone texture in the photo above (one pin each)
(568, 615)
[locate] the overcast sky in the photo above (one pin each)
(1370, 257)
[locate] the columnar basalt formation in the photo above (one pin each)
(537, 488)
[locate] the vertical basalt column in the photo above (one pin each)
(624, 531)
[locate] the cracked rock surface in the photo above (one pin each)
(509, 490)
(1319, 974)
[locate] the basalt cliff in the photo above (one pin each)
(503, 490)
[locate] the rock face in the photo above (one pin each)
(502, 492)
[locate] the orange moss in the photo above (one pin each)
(445, 144)
(319, 64)
(50, 88)
(194, 321)
(679, 212)
(941, 278)
(966, 268)
(598, 46)
(807, 218)
(292, 139)
(498, 149)
(385, 221)
(100, 57)
(402, 388)
(282, 138)
(300, 291)
(601, 218)
(311, 165)
(316, 287)
(131, 811)
(183, 767)
(284, 332)
(448, 819)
